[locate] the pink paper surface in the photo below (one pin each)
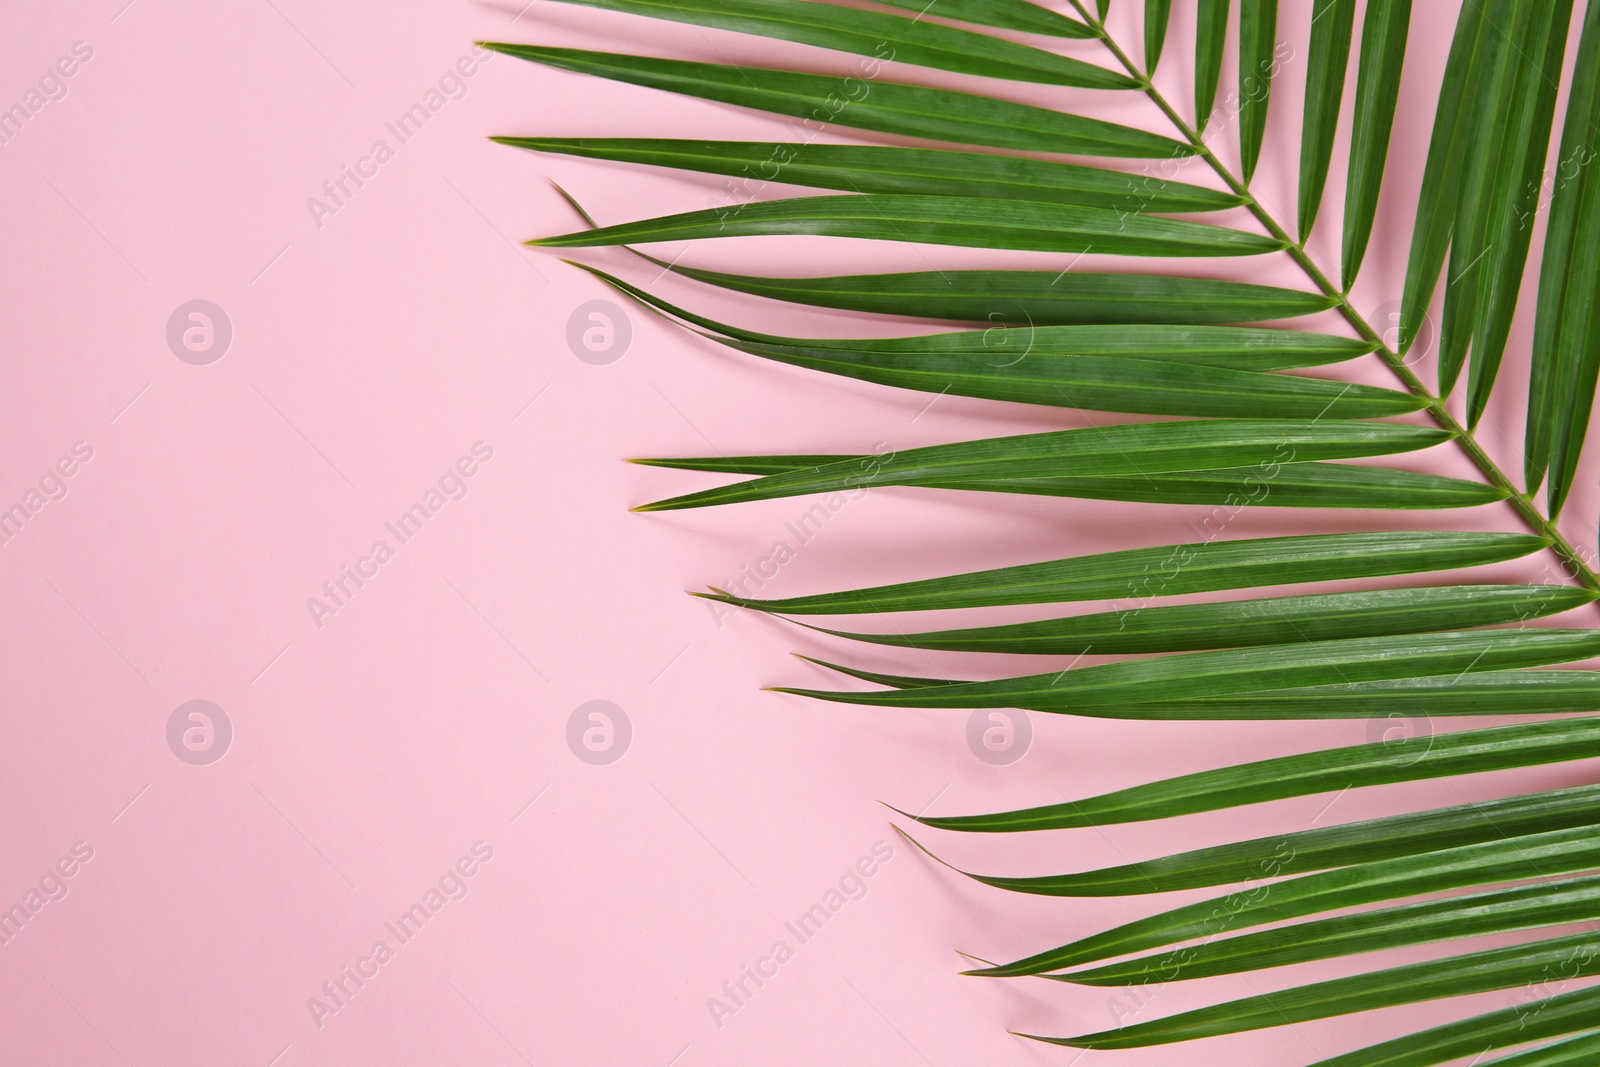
(418, 739)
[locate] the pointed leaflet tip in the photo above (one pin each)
(897, 811)
(572, 202)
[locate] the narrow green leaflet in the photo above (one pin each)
(1101, 383)
(1487, 861)
(1576, 956)
(1211, 39)
(1171, 570)
(918, 41)
(1566, 340)
(1515, 192)
(1112, 689)
(875, 169)
(1039, 298)
(1240, 348)
(1258, 62)
(1156, 14)
(1251, 623)
(1383, 55)
(1441, 174)
(866, 104)
(1489, 693)
(1331, 25)
(1206, 356)
(1292, 485)
(1228, 347)
(1001, 14)
(1130, 450)
(1516, 692)
(1529, 1019)
(1524, 907)
(1328, 770)
(1491, 822)
(1230, 489)
(1579, 1051)
(949, 220)
(1490, 99)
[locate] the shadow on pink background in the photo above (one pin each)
(408, 752)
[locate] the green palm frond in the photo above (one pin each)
(1222, 362)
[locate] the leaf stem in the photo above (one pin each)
(1574, 563)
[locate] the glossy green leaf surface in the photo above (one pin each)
(948, 220)
(1383, 54)
(1243, 623)
(918, 41)
(883, 106)
(1169, 570)
(1331, 24)
(882, 169)
(1130, 450)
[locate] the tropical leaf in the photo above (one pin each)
(1492, 822)
(1156, 15)
(1124, 451)
(1383, 53)
(886, 107)
(1331, 24)
(1246, 623)
(874, 169)
(971, 221)
(1227, 347)
(1442, 173)
(1566, 344)
(1576, 955)
(1039, 298)
(1531, 1020)
(1240, 431)
(1171, 570)
(1515, 192)
(1258, 62)
(918, 41)
(1518, 692)
(1522, 907)
(1115, 690)
(1002, 14)
(1211, 38)
(1375, 763)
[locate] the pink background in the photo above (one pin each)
(430, 712)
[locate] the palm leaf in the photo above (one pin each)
(1258, 61)
(886, 107)
(1041, 298)
(1374, 763)
(1109, 452)
(1577, 955)
(1566, 344)
(1516, 191)
(1331, 25)
(874, 169)
(1156, 15)
(1383, 53)
(906, 40)
(1247, 623)
(1171, 570)
(1242, 432)
(971, 221)
(1518, 692)
(1442, 173)
(1212, 16)
(1223, 347)
(1003, 14)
